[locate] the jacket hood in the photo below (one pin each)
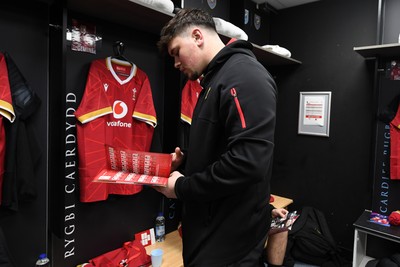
(236, 47)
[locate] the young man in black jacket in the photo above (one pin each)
(224, 182)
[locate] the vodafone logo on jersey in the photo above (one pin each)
(120, 109)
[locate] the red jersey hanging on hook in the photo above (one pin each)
(6, 113)
(116, 109)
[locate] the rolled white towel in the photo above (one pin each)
(165, 5)
(278, 49)
(226, 28)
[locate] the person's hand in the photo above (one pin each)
(169, 190)
(281, 212)
(177, 158)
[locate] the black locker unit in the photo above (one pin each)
(85, 230)
(24, 31)
(383, 57)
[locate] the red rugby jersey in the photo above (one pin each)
(395, 147)
(117, 109)
(6, 112)
(190, 94)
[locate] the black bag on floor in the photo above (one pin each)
(310, 241)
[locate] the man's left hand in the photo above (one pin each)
(169, 190)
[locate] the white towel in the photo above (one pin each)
(165, 5)
(230, 30)
(278, 49)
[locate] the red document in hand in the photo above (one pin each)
(135, 167)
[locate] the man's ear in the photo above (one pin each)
(198, 36)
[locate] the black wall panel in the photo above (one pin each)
(253, 19)
(217, 8)
(391, 22)
(333, 174)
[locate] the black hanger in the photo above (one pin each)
(119, 48)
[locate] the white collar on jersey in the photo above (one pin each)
(132, 74)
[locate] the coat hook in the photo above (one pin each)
(119, 48)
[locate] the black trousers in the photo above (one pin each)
(255, 258)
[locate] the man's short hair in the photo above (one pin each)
(180, 22)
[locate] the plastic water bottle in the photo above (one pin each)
(43, 261)
(160, 227)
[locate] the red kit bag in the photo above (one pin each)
(131, 254)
